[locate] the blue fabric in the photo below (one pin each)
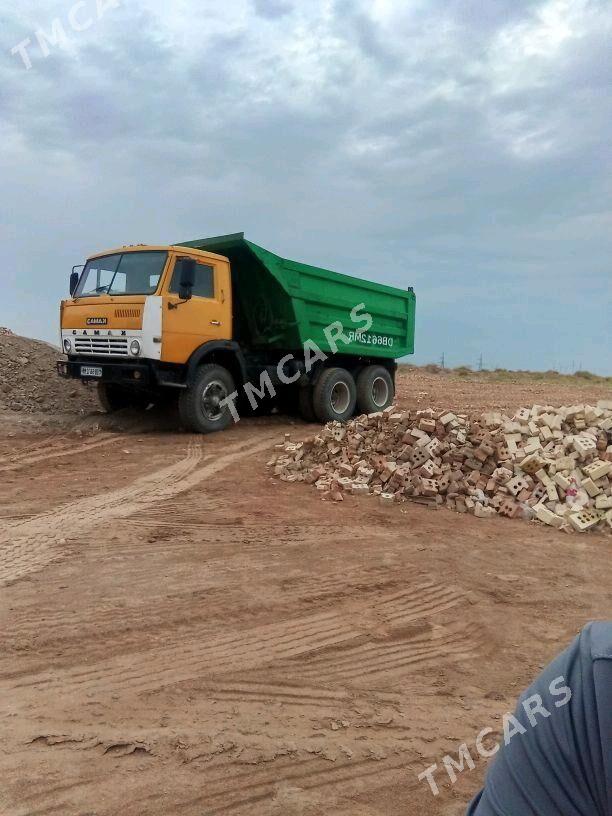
(563, 765)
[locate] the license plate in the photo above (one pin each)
(91, 371)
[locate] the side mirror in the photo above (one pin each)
(187, 278)
(74, 282)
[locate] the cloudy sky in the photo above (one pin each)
(458, 146)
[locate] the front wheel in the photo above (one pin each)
(375, 389)
(334, 395)
(201, 405)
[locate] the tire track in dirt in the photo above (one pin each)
(340, 584)
(421, 600)
(266, 692)
(28, 546)
(406, 638)
(45, 450)
(163, 611)
(39, 443)
(33, 794)
(236, 789)
(271, 689)
(365, 660)
(158, 518)
(311, 774)
(327, 646)
(238, 651)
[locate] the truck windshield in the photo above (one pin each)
(125, 273)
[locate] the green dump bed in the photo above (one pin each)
(281, 304)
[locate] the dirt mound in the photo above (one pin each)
(29, 382)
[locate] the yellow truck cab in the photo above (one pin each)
(219, 321)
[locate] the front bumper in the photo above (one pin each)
(125, 373)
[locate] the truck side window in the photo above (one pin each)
(204, 280)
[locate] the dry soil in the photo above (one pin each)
(181, 634)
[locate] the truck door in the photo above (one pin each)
(186, 325)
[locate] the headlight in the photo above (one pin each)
(67, 345)
(135, 348)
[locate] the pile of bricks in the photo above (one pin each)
(544, 463)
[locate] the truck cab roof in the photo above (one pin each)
(158, 248)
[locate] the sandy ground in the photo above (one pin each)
(183, 635)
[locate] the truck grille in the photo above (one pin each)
(127, 313)
(115, 346)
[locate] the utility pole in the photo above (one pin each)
(442, 361)
(480, 362)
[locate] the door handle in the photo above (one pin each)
(215, 322)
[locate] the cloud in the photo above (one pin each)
(272, 9)
(455, 146)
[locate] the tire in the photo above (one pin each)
(199, 407)
(305, 404)
(115, 398)
(375, 389)
(334, 395)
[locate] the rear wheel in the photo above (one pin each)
(375, 389)
(200, 406)
(334, 395)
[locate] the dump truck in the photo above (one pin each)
(225, 327)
